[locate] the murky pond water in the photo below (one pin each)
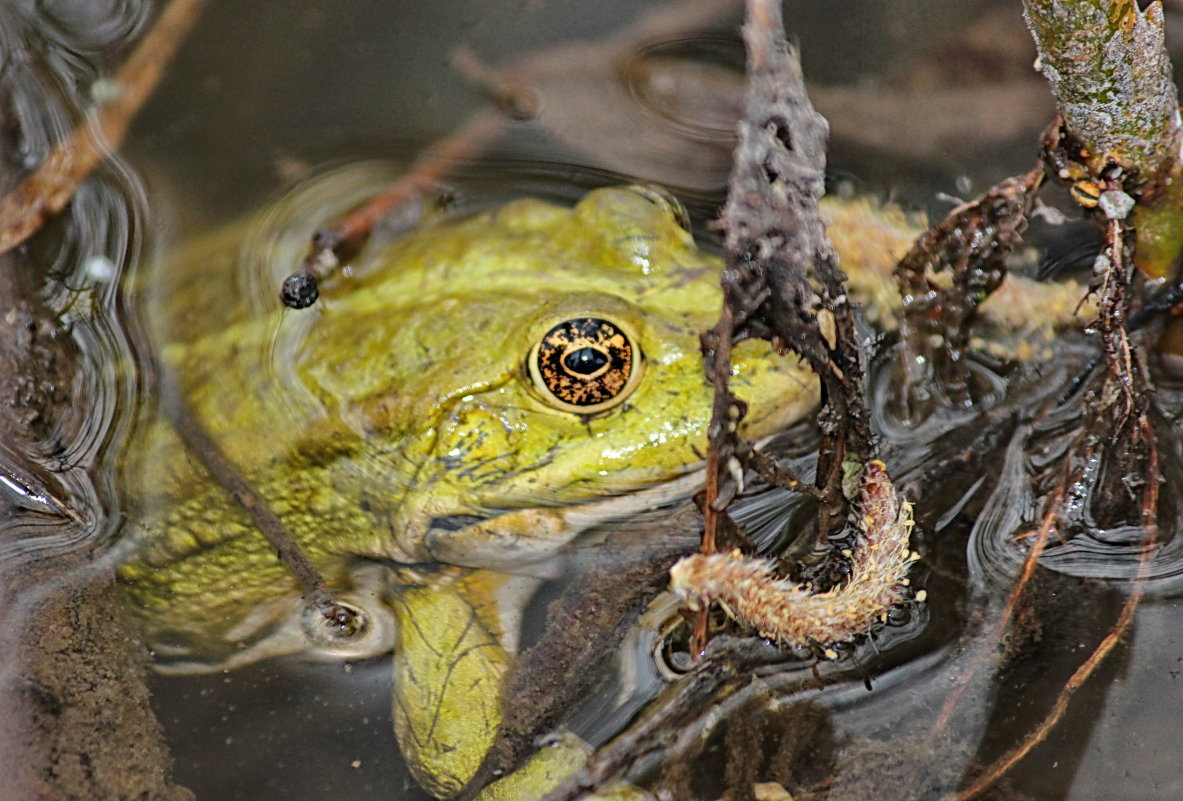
(314, 108)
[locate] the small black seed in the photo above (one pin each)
(299, 290)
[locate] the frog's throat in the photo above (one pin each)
(524, 541)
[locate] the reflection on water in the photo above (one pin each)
(47, 52)
(266, 104)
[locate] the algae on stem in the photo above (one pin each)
(1108, 67)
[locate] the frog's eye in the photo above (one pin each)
(585, 365)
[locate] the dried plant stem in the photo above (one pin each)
(781, 282)
(47, 191)
(970, 247)
(1116, 428)
(723, 445)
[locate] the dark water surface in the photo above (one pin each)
(274, 100)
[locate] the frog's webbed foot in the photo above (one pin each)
(455, 638)
(554, 763)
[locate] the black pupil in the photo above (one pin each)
(585, 361)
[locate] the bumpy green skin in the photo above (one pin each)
(402, 397)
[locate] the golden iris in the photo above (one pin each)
(585, 365)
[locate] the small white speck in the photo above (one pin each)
(104, 90)
(355, 763)
(100, 269)
(1115, 204)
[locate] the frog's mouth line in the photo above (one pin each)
(458, 522)
(524, 541)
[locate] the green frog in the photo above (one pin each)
(460, 405)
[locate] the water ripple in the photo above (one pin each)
(60, 486)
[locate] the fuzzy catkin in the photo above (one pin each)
(792, 614)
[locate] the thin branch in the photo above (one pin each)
(1109, 69)
(340, 620)
(1036, 550)
(336, 244)
(42, 195)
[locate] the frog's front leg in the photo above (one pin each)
(456, 636)
(451, 653)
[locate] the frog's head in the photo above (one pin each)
(532, 358)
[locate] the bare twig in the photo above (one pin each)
(47, 191)
(1108, 66)
(339, 242)
(339, 620)
(539, 85)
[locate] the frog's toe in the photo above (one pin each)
(551, 765)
